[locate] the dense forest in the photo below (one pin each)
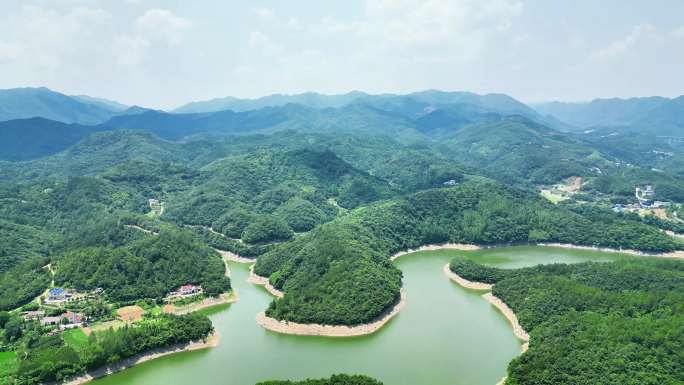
(49, 358)
(147, 268)
(339, 253)
(594, 323)
(321, 197)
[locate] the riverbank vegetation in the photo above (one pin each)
(337, 379)
(594, 323)
(46, 358)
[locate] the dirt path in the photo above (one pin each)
(211, 230)
(142, 229)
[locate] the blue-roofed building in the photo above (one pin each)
(57, 291)
(57, 295)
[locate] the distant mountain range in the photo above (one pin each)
(24, 103)
(36, 122)
(494, 102)
(653, 115)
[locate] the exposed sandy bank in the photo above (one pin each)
(212, 341)
(222, 299)
(259, 280)
(451, 246)
(464, 282)
(489, 297)
(673, 254)
(510, 315)
(329, 330)
(229, 256)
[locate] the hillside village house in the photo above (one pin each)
(47, 321)
(186, 291)
(68, 320)
(33, 315)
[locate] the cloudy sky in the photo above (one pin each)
(165, 53)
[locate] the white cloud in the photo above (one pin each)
(393, 45)
(622, 46)
(46, 38)
(163, 24)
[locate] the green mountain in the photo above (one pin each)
(516, 149)
(340, 273)
(23, 103)
(25, 139)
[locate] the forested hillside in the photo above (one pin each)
(321, 197)
(518, 150)
(340, 273)
(25, 139)
(625, 315)
(50, 358)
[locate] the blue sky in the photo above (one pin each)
(165, 53)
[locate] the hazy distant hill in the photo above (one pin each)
(25, 139)
(23, 103)
(499, 103)
(104, 103)
(666, 119)
(351, 118)
(309, 99)
(614, 112)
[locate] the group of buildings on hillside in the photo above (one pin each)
(66, 320)
(59, 296)
(645, 197)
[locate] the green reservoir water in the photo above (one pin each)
(445, 335)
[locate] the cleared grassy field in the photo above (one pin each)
(8, 365)
(75, 338)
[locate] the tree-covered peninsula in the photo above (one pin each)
(593, 323)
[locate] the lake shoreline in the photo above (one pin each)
(464, 282)
(518, 330)
(679, 254)
(285, 327)
(103, 371)
(223, 299)
(437, 246)
(263, 281)
(230, 256)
